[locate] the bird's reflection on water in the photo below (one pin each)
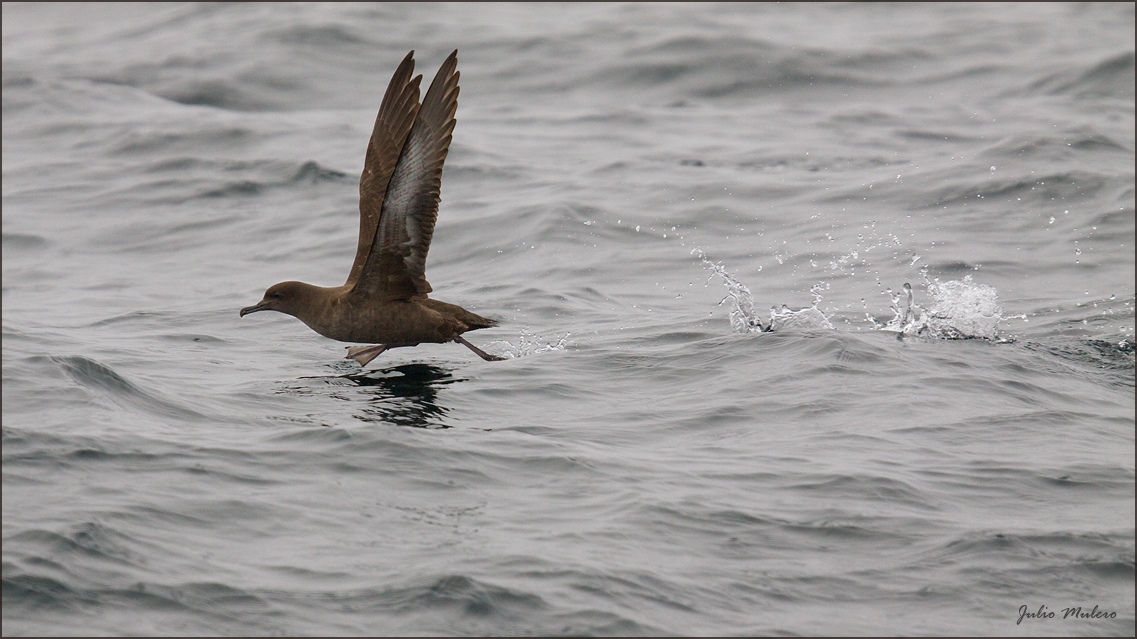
(404, 395)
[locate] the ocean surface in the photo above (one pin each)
(638, 193)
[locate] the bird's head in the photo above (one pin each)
(287, 297)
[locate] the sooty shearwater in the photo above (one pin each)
(384, 302)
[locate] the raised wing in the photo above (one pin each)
(393, 125)
(396, 265)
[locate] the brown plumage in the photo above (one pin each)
(384, 302)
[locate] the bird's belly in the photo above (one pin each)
(397, 322)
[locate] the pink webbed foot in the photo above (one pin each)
(482, 354)
(364, 354)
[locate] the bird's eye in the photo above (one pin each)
(276, 295)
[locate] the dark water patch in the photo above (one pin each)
(150, 515)
(974, 73)
(699, 44)
(602, 623)
(404, 395)
(326, 435)
(716, 417)
(23, 438)
(417, 412)
(17, 80)
(837, 164)
(883, 489)
(938, 136)
(452, 604)
(630, 592)
(733, 66)
(183, 80)
(1066, 552)
(1029, 418)
(866, 117)
(42, 451)
(14, 480)
(131, 459)
(962, 269)
(1121, 218)
(320, 36)
(38, 594)
(102, 379)
(206, 597)
(162, 19)
(133, 316)
(1087, 142)
(242, 188)
(634, 589)
(190, 337)
(1074, 185)
(1028, 393)
(312, 173)
(739, 534)
(227, 478)
(193, 607)
(305, 420)
(1120, 569)
(1111, 78)
(309, 575)
(1113, 355)
(788, 75)
(953, 268)
(219, 93)
(180, 165)
(136, 142)
(90, 540)
(1098, 142)
(454, 595)
(675, 338)
(160, 236)
(1067, 485)
(405, 378)
(23, 241)
(1091, 480)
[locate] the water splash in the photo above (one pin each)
(961, 309)
(529, 344)
(743, 317)
(787, 318)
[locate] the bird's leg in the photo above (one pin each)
(482, 354)
(364, 354)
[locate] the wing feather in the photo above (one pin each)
(393, 125)
(396, 265)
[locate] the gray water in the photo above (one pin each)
(635, 192)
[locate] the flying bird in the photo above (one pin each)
(385, 303)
